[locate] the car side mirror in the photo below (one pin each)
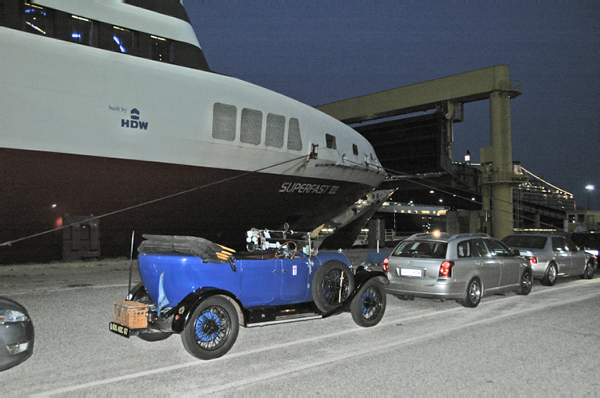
(515, 252)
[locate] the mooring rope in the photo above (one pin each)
(9, 243)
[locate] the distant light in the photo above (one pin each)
(35, 27)
(441, 200)
(33, 5)
(472, 198)
(589, 187)
(432, 191)
(54, 205)
(76, 35)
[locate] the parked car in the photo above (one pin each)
(589, 241)
(205, 292)
(462, 267)
(16, 334)
(552, 256)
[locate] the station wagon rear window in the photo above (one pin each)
(421, 249)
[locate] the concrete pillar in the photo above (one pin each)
(501, 163)
(500, 131)
(452, 222)
(474, 222)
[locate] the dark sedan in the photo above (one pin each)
(16, 334)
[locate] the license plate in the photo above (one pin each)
(119, 329)
(411, 272)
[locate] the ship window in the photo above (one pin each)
(123, 39)
(161, 49)
(7, 14)
(81, 30)
(60, 25)
(294, 137)
(115, 38)
(189, 56)
(330, 140)
(355, 149)
(275, 130)
(38, 20)
(251, 126)
(224, 121)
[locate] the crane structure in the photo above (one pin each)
(448, 94)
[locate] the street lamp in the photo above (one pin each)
(589, 188)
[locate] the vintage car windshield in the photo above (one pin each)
(425, 249)
(532, 242)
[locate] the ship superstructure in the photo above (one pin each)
(109, 108)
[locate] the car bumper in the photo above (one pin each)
(16, 343)
(441, 289)
(539, 270)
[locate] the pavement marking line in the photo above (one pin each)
(65, 289)
(322, 337)
(388, 345)
(485, 303)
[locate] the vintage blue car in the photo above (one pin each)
(205, 291)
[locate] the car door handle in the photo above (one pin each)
(285, 270)
(275, 272)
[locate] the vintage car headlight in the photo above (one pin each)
(11, 316)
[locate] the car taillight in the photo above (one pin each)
(532, 261)
(386, 265)
(446, 269)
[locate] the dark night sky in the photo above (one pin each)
(320, 52)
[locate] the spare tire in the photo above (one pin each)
(327, 291)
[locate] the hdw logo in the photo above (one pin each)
(134, 122)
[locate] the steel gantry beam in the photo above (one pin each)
(493, 84)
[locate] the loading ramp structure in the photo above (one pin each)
(447, 96)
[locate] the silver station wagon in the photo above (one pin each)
(463, 267)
